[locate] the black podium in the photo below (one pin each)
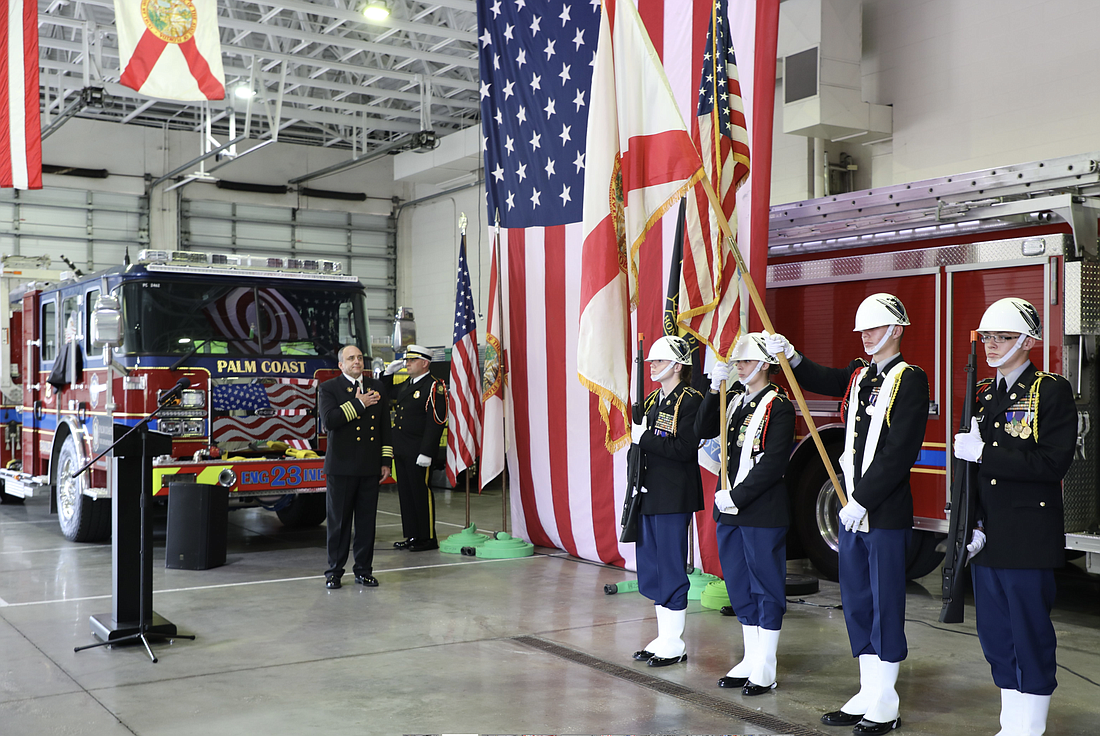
(132, 565)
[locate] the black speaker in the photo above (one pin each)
(197, 525)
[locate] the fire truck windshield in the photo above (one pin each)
(214, 318)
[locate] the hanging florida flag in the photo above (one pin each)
(20, 128)
(640, 162)
(464, 397)
(493, 375)
(171, 48)
(710, 283)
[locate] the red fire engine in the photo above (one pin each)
(254, 336)
(947, 248)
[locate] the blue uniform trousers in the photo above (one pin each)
(872, 589)
(754, 564)
(1012, 613)
(661, 553)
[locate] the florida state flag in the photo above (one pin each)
(171, 48)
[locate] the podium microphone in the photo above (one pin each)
(175, 391)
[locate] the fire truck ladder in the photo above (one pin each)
(1063, 189)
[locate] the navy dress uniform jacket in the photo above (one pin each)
(761, 499)
(884, 489)
(358, 436)
(671, 476)
(420, 414)
(1019, 479)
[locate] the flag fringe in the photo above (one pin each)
(606, 399)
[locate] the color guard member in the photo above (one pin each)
(885, 408)
(752, 514)
(1021, 443)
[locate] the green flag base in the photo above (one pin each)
(715, 595)
(468, 538)
(699, 581)
(505, 546)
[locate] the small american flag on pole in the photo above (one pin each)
(464, 397)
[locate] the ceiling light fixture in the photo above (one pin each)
(376, 10)
(244, 92)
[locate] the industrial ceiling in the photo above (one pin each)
(323, 74)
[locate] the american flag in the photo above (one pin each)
(464, 396)
(235, 317)
(566, 489)
(275, 409)
(20, 127)
(710, 283)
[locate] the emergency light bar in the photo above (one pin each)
(173, 259)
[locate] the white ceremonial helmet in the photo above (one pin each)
(670, 347)
(879, 310)
(750, 346)
(1012, 315)
(418, 351)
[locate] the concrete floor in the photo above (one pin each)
(454, 644)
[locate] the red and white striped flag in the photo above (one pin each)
(464, 397)
(710, 283)
(171, 48)
(20, 127)
(640, 163)
(493, 377)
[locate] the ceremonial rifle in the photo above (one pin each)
(963, 508)
(635, 458)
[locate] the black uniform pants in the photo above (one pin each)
(417, 501)
(351, 497)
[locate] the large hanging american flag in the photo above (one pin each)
(464, 396)
(566, 489)
(20, 125)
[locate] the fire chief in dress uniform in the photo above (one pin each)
(420, 414)
(1020, 445)
(359, 455)
(885, 411)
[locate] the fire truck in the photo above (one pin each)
(947, 248)
(253, 335)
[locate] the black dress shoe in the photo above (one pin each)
(423, 545)
(871, 728)
(367, 580)
(403, 544)
(732, 681)
(642, 655)
(840, 718)
(666, 661)
(751, 689)
(727, 611)
(332, 582)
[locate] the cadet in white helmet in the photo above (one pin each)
(673, 491)
(752, 510)
(885, 410)
(1020, 444)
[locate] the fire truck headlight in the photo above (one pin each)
(193, 398)
(169, 426)
(194, 426)
(227, 478)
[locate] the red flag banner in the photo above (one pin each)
(464, 397)
(640, 162)
(171, 48)
(20, 126)
(493, 377)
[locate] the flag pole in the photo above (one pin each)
(716, 206)
(504, 378)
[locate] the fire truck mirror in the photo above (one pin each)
(107, 322)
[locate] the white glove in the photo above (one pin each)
(394, 367)
(852, 515)
(969, 445)
(977, 541)
(776, 344)
(720, 372)
(636, 432)
(724, 501)
(423, 461)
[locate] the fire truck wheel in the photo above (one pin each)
(304, 510)
(815, 516)
(82, 518)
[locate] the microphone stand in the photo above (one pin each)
(149, 624)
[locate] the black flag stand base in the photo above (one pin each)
(113, 634)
